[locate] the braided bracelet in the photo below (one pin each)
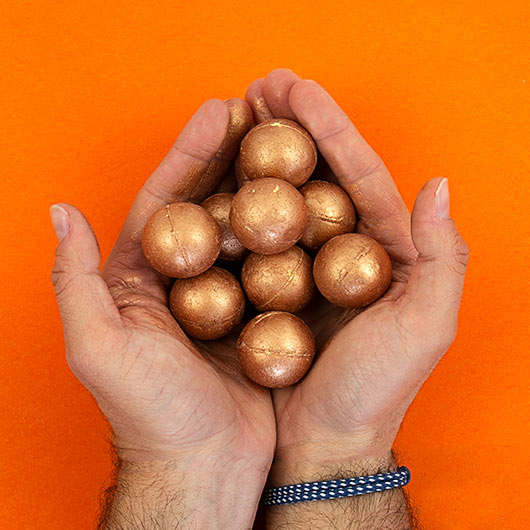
(335, 489)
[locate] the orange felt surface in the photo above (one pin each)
(93, 93)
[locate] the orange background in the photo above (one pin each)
(93, 93)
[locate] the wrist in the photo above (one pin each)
(197, 489)
(373, 509)
(340, 458)
(311, 446)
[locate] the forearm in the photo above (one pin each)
(191, 494)
(387, 510)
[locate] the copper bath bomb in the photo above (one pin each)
(330, 210)
(281, 282)
(352, 270)
(268, 215)
(228, 183)
(276, 349)
(181, 240)
(218, 206)
(241, 178)
(278, 148)
(208, 306)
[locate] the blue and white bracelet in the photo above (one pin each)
(335, 489)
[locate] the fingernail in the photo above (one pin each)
(442, 200)
(60, 221)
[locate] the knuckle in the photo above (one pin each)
(120, 276)
(57, 276)
(369, 167)
(460, 252)
(131, 289)
(454, 254)
(128, 248)
(335, 130)
(202, 151)
(133, 283)
(125, 291)
(154, 194)
(61, 279)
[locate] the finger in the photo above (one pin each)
(239, 122)
(256, 101)
(179, 172)
(84, 301)
(435, 287)
(196, 162)
(276, 88)
(196, 156)
(382, 212)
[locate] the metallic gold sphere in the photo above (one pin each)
(241, 178)
(181, 240)
(268, 215)
(276, 349)
(278, 148)
(208, 306)
(228, 182)
(281, 282)
(218, 206)
(352, 270)
(330, 213)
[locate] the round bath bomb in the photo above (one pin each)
(330, 213)
(241, 178)
(228, 183)
(276, 349)
(280, 282)
(218, 206)
(268, 215)
(352, 270)
(278, 148)
(181, 240)
(208, 306)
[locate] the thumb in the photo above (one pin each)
(85, 303)
(437, 279)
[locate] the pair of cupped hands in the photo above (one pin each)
(172, 399)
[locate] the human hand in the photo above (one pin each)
(372, 362)
(181, 405)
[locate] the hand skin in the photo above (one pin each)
(342, 418)
(192, 434)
